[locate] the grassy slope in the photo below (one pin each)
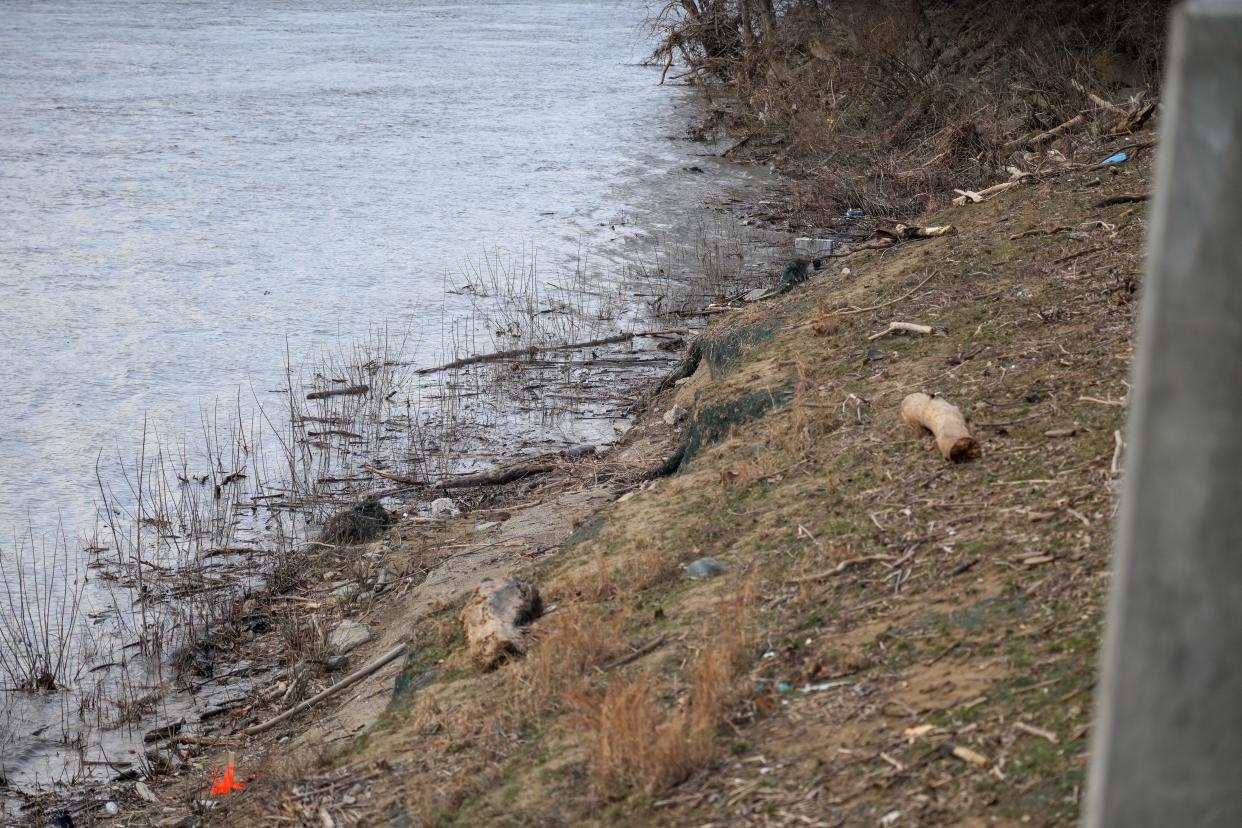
(985, 614)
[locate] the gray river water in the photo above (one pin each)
(188, 189)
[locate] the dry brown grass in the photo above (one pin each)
(634, 743)
(569, 645)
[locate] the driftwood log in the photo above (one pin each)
(347, 391)
(494, 620)
(946, 423)
(531, 351)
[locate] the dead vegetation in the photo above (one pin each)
(889, 106)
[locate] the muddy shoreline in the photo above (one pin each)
(239, 664)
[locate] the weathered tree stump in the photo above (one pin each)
(494, 621)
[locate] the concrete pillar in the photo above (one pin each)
(1167, 749)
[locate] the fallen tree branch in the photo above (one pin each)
(1052, 231)
(347, 391)
(1124, 198)
(532, 350)
(634, 655)
(946, 423)
(409, 481)
(908, 327)
(501, 474)
(351, 679)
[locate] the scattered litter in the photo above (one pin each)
(814, 248)
(1117, 158)
(226, 784)
(827, 685)
(890, 818)
(145, 792)
(854, 212)
(1079, 235)
(705, 568)
(112, 808)
(784, 687)
(444, 507)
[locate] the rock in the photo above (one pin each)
(674, 415)
(337, 663)
(347, 635)
(112, 808)
(444, 507)
(705, 568)
(346, 591)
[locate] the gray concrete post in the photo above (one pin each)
(1167, 749)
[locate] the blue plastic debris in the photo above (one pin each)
(854, 212)
(1115, 159)
(784, 687)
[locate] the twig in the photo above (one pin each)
(621, 661)
(351, 679)
(1036, 731)
(1119, 444)
(906, 295)
(1124, 198)
(838, 569)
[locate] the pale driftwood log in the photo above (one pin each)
(907, 327)
(351, 679)
(494, 619)
(987, 192)
(944, 421)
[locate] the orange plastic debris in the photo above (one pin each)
(225, 784)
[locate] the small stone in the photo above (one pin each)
(444, 507)
(346, 591)
(382, 580)
(337, 663)
(347, 635)
(874, 355)
(705, 568)
(674, 414)
(112, 808)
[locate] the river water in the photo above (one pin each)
(188, 190)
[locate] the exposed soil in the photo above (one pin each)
(880, 606)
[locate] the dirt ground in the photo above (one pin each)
(896, 640)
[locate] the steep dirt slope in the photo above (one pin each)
(896, 639)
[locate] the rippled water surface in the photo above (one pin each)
(184, 185)
(188, 189)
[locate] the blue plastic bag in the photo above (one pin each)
(1116, 159)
